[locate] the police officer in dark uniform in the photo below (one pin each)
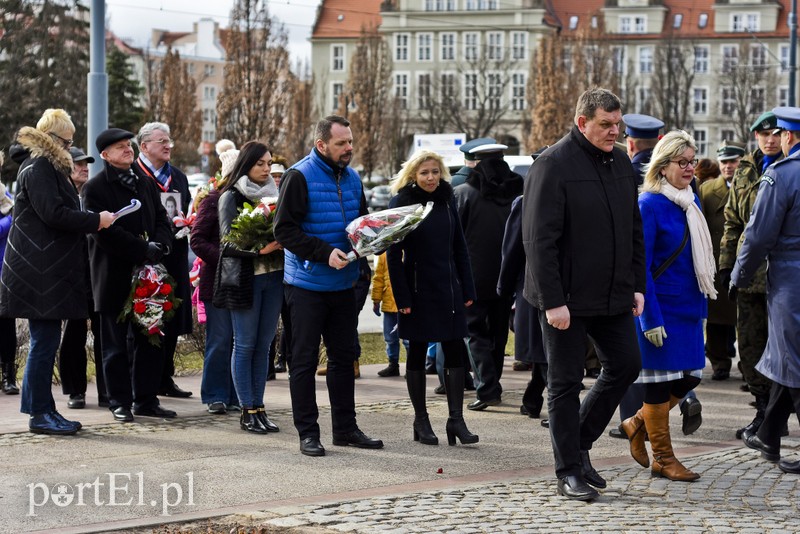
(641, 136)
(774, 232)
(470, 159)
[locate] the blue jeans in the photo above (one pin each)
(392, 337)
(253, 330)
(37, 392)
(217, 383)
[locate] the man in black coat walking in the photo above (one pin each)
(143, 236)
(583, 239)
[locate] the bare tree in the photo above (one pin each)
(300, 116)
(671, 85)
(369, 86)
(257, 87)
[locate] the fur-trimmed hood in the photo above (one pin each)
(42, 145)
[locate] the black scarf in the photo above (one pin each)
(413, 194)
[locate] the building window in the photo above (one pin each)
(337, 90)
(471, 91)
(646, 60)
(337, 58)
(702, 22)
(758, 57)
(494, 90)
(783, 96)
(643, 100)
(566, 59)
(424, 47)
(448, 87)
(190, 68)
(632, 24)
(701, 140)
(494, 46)
(424, 90)
(401, 41)
(677, 21)
(700, 101)
(618, 59)
(726, 136)
(471, 40)
(518, 85)
(758, 100)
(744, 22)
(783, 51)
(440, 5)
(209, 92)
(519, 45)
(448, 41)
(728, 101)
(730, 58)
(208, 70)
(573, 22)
(401, 89)
(481, 5)
(701, 54)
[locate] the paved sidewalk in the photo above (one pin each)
(200, 466)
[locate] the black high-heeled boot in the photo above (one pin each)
(10, 378)
(250, 421)
(268, 425)
(415, 381)
(456, 427)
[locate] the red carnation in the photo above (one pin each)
(167, 306)
(139, 307)
(166, 289)
(141, 292)
(153, 330)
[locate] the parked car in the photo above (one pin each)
(380, 197)
(519, 164)
(197, 179)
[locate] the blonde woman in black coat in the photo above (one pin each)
(432, 282)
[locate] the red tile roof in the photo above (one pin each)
(338, 19)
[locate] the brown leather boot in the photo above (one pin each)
(634, 429)
(656, 421)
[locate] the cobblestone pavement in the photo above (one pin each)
(737, 492)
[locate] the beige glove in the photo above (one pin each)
(656, 336)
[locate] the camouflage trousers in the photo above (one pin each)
(751, 333)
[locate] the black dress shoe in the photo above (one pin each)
(48, 423)
(590, 474)
(574, 487)
(530, 411)
(122, 414)
(790, 467)
(768, 452)
(720, 374)
(479, 405)
(392, 369)
(618, 433)
(692, 415)
(312, 447)
(357, 438)
(155, 411)
(174, 391)
(545, 423)
(77, 401)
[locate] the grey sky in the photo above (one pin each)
(134, 19)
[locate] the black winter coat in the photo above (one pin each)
(430, 270)
(239, 296)
(582, 230)
(177, 261)
(117, 250)
(44, 269)
(484, 203)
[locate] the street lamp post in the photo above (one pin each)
(98, 82)
(792, 53)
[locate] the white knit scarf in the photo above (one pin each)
(702, 249)
(255, 192)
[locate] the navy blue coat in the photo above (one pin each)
(430, 270)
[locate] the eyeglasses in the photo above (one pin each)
(683, 163)
(67, 142)
(163, 142)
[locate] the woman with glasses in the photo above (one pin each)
(44, 276)
(680, 276)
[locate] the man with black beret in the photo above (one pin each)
(140, 237)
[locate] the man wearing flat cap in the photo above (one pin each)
(470, 159)
(720, 326)
(135, 239)
(641, 136)
(774, 233)
(751, 303)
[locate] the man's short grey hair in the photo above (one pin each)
(596, 98)
(146, 131)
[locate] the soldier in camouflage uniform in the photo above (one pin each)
(751, 303)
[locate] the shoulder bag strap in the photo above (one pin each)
(658, 272)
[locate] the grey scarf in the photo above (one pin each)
(255, 192)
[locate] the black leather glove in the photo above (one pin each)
(725, 277)
(155, 251)
(732, 292)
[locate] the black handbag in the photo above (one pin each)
(229, 272)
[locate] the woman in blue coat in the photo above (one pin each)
(432, 283)
(680, 275)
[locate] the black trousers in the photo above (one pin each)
(719, 345)
(72, 358)
(333, 317)
(782, 401)
(8, 340)
(576, 425)
(130, 381)
(487, 324)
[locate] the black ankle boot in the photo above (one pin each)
(753, 426)
(10, 379)
(415, 381)
(268, 425)
(250, 421)
(456, 427)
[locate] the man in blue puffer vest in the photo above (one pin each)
(320, 195)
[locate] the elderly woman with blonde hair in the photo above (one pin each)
(44, 277)
(432, 281)
(680, 277)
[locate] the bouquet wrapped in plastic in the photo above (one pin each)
(375, 232)
(254, 228)
(151, 302)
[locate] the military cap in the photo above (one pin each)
(641, 126)
(111, 136)
(79, 155)
(729, 151)
(482, 151)
(766, 121)
(469, 145)
(788, 118)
